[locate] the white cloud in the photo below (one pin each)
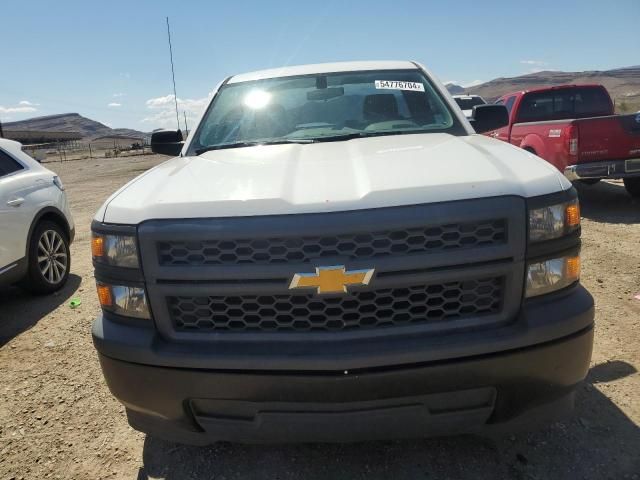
(126, 75)
(533, 62)
(160, 102)
(163, 113)
(114, 105)
(118, 95)
(23, 106)
(21, 109)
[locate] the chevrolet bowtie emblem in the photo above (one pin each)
(333, 279)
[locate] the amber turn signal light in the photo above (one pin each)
(572, 268)
(97, 245)
(572, 215)
(104, 295)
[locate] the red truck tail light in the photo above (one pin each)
(571, 139)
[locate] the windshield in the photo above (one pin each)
(324, 107)
(469, 103)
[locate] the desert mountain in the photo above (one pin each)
(71, 122)
(454, 89)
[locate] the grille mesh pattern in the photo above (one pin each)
(361, 246)
(358, 310)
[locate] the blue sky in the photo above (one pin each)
(108, 60)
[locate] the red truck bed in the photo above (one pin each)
(614, 137)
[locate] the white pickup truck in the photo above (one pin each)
(335, 254)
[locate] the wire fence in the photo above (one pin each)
(80, 150)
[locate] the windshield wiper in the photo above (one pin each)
(281, 141)
(349, 136)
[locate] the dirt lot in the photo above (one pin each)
(58, 420)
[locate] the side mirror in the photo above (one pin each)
(167, 142)
(489, 117)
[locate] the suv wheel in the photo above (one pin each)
(49, 259)
(632, 184)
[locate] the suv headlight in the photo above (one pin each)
(553, 274)
(58, 183)
(123, 300)
(115, 250)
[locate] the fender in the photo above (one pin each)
(534, 142)
(53, 211)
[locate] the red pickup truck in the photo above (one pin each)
(573, 127)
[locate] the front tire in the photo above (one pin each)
(632, 184)
(49, 259)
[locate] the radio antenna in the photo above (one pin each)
(173, 75)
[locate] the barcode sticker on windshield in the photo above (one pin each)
(399, 85)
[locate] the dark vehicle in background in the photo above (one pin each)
(467, 102)
(574, 128)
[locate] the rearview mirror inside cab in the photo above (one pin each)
(167, 142)
(489, 117)
(325, 93)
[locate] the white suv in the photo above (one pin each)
(36, 227)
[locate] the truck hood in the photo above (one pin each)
(333, 176)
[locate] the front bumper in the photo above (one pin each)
(454, 392)
(610, 169)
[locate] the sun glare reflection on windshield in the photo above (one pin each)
(257, 99)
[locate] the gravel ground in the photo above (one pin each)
(58, 419)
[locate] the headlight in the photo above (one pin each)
(123, 300)
(115, 250)
(551, 275)
(58, 183)
(555, 221)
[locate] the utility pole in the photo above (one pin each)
(173, 75)
(186, 127)
(1, 132)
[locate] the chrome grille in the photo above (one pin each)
(442, 302)
(281, 250)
